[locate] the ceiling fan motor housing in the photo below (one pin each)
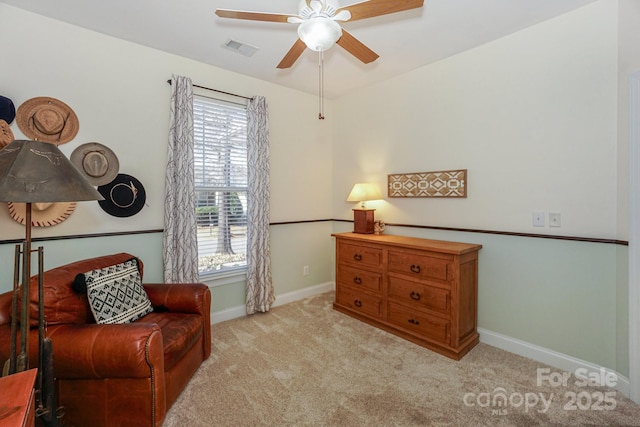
(328, 7)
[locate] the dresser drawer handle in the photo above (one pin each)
(357, 303)
(414, 321)
(415, 268)
(357, 280)
(415, 296)
(357, 257)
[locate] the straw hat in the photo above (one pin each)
(48, 120)
(123, 197)
(7, 109)
(6, 136)
(42, 214)
(96, 162)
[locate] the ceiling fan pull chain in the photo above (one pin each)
(321, 85)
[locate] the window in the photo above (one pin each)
(220, 167)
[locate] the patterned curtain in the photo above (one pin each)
(260, 293)
(180, 244)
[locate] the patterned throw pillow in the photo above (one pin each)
(116, 294)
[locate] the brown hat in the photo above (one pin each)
(6, 136)
(42, 214)
(96, 162)
(48, 120)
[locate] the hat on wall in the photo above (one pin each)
(123, 197)
(96, 162)
(48, 120)
(6, 135)
(7, 109)
(42, 214)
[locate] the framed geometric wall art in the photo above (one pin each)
(452, 183)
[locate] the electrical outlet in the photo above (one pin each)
(305, 270)
(538, 219)
(554, 219)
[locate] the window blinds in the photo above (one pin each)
(220, 168)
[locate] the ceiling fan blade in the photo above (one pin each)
(253, 16)
(293, 54)
(356, 47)
(371, 8)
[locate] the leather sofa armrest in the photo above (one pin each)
(5, 308)
(180, 297)
(184, 298)
(132, 350)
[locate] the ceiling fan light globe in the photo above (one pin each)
(319, 33)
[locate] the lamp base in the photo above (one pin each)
(363, 221)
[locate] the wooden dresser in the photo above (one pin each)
(425, 291)
(17, 399)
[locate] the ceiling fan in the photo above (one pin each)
(318, 28)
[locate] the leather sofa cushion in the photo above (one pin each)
(61, 303)
(179, 333)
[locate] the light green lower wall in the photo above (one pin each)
(147, 247)
(622, 310)
(293, 246)
(566, 296)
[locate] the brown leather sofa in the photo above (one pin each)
(117, 375)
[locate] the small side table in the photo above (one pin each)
(17, 407)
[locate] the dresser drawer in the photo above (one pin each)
(361, 279)
(360, 302)
(419, 266)
(425, 325)
(419, 295)
(359, 255)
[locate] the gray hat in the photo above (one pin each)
(96, 162)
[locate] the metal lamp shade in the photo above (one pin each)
(36, 172)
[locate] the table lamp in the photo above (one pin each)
(36, 172)
(363, 217)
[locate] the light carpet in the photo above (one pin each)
(305, 364)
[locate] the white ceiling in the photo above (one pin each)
(404, 40)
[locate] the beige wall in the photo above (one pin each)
(119, 92)
(628, 63)
(532, 116)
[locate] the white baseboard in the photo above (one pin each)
(550, 357)
(240, 310)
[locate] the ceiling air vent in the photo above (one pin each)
(240, 47)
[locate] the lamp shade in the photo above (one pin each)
(319, 33)
(364, 192)
(36, 172)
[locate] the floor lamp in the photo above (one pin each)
(36, 172)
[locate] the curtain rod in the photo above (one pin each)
(219, 91)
